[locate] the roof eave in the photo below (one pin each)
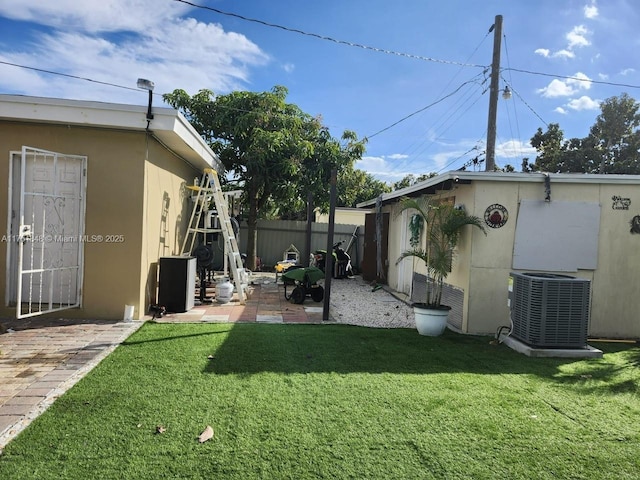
(447, 180)
(168, 125)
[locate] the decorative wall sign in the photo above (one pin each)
(635, 224)
(496, 215)
(620, 203)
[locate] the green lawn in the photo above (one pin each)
(329, 401)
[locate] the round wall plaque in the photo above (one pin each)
(496, 215)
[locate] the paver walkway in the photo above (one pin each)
(266, 303)
(41, 358)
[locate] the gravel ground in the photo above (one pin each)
(354, 302)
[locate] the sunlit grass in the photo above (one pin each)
(319, 401)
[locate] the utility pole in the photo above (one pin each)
(490, 162)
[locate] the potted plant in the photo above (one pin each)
(443, 223)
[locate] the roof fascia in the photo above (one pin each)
(168, 125)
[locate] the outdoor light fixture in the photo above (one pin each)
(506, 93)
(145, 84)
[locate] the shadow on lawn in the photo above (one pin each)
(250, 349)
(135, 339)
(615, 374)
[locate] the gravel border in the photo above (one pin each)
(356, 302)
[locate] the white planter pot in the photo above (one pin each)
(431, 321)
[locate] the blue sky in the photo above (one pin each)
(408, 54)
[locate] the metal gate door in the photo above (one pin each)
(51, 232)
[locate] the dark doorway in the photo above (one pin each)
(370, 252)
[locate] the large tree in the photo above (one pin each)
(612, 146)
(355, 186)
(615, 135)
(275, 151)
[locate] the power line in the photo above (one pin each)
(513, 90)
(68, 76)
(330, 39)
(421, 110)
(475, 160)
(515, 110)
(408, 55)
(457, 113)
(441, 122)
(553, 75)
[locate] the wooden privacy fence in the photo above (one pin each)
(275, 237)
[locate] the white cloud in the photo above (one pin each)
(577, 37)
(94, 15)
(372, 164)
(514, 149)
(381, 169)
(288, 67)
(579, 81)
(627, 71)
(566, 88)
(557, 88)
(397, 156)
(591, 11)
(603, 76)
(583, 103)
(564, 53)
(173, 52)
(443, 159)
(560, 110)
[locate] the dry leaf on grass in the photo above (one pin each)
(160, 429)
(206, 435)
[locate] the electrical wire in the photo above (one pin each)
(324, 37)
(513, 90)
(420, 110)
(474, 160)
(440, 122)
(515, 111)
(453, 121)
(69, 76)
(553, 75)
(381, 50)
(352, 44)
(51, 72)
(439, 128)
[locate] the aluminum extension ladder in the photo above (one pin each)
(210, 189)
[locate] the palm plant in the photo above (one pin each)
(444, 223)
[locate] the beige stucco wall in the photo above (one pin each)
(483, 263)
(167, 210)
(398, 241)
(344, 216)
(616, 282)
(121, 204)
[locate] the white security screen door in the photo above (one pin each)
(50, 232)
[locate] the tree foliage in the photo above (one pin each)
(410, 179)
(276, 152)
(612, 146)
(355, 186)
